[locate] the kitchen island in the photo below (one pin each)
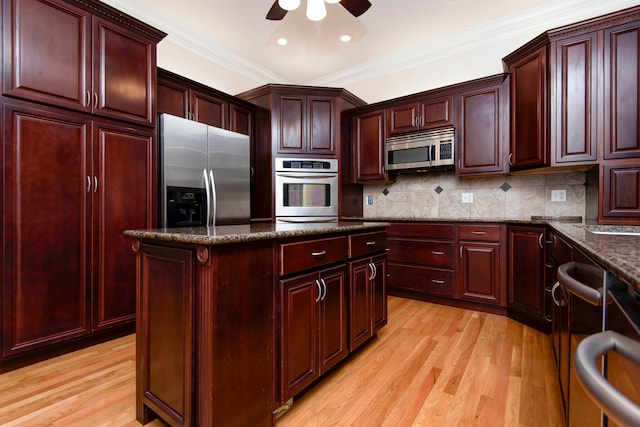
(207, 334)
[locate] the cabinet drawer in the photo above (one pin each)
(367, 243)
(300, 256)
(422, 252)
(429, 231)
(434, 281)
(479, 232)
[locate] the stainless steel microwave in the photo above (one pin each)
(427, 150)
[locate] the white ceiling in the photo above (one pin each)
(393, 35)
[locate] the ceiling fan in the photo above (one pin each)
(277, 12)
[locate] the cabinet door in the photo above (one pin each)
(322, 125)
(621, 86)
(47, 51)
(124, 73)
(122, 199)
(173, 98)
(479, 272)
(620, 191)
(360, 300)
(403, 118)
(379, 293)
(209, 110)
(529, 111)
(480, 132)
(436, 113)
(368, 147)
(299, 333)
(240, 119)
(574, 115)
(333, 342)
(526, 270)
(45, 227)
(291, 123)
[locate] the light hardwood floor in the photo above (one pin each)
(431, 365)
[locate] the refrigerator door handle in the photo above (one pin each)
(208, 194)
(214, 199)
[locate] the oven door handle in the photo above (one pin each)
(615, 404)
(306, 176)
(307, 220)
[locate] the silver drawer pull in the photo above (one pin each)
(439, 282)
(437, 253)
(318, 253)
(479, 233)
(371, 243)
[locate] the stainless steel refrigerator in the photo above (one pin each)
(203, 175)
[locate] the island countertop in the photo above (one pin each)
(225, 234)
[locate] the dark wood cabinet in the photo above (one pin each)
(313, 327)
(621, 85)
(307, 124)
(186, 98)
(480, 270)
(526, 276)
(482, 128)
(574, 113)
(367, 300)
(529, 110)
(619, 191)
(92, 63)
(419, 115)
(367, 145)
(70, 193)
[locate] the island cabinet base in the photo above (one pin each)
(205, 333)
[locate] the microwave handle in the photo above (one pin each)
(432, 157)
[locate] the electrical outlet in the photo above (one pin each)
(369, 199)
(558, 195)
(467, 197)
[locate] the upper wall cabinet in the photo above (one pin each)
(482, 125)
(62, 54)
(186, 98)
(567, 85)
(622, 85)
(367, 147)
(420, 115)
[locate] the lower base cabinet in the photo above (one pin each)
(367, 299)
(313, 327)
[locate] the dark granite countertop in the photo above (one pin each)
(225, 234)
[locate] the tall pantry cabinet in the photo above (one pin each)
(78, 153)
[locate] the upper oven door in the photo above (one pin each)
(306, 194)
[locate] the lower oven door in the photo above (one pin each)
(302, 194)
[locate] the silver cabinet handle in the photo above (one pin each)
(318, 253)
(615, 404)
(370, 243)
(375, 270)
(553, 294)
(479, 233)
(95, 183)
(88, 99)
(437, 281)
(546, 264)
(371, 268)
(214, 198)
(319, 290)
(324, 286)
(437, 253)
(208, 193)
(581, 290)
(510, 159)
(540, 240)
(88, 184)
(252, 171)
(460, 251)
(95, 100)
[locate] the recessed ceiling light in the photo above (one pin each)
(282, 41)
(345, 38)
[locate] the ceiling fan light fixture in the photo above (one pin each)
(289, 4)
(316, 11)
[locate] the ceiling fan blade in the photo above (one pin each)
(276, 13)
(356, 7)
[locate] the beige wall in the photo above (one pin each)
(414, 195)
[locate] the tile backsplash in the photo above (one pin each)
(439, 195)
